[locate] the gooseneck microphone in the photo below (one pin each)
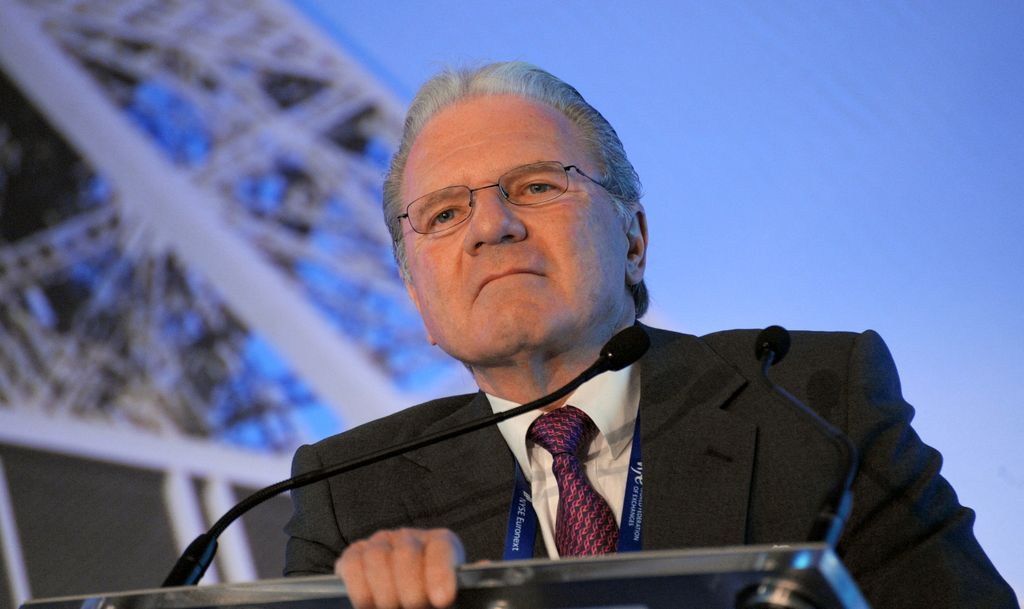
(622, 350)
(771, 346)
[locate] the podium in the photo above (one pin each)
(746, 577)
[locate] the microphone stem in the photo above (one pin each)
(832, 517)
(622, 350)
(386, 453)
(200, 552)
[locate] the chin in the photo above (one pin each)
(506, 342)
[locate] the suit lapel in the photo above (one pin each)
(466, 483)
(698, 458)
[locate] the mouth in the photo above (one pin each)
(508, 273)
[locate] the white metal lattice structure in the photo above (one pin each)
(257, 102)
(220, 201)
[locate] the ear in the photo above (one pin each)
(636, 255)
(411, 289)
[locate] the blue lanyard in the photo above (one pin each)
(522, 519)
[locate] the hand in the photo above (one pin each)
(406, 568)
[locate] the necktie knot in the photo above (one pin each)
(563, 430)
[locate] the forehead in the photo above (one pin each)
(477, 139)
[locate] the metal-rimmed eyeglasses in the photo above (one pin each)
(526, 185)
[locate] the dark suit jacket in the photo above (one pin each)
(725, 462)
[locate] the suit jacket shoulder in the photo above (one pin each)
(908, 542)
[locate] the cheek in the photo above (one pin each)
(423, 264)
(595, 270)
(605, 246)
(434, 280)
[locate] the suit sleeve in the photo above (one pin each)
(314, 540)
(909, 543)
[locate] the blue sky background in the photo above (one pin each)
(817, 165)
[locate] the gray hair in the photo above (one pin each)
(530, 82)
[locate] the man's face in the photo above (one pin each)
(518, 282)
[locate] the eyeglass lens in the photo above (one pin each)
(526, 185)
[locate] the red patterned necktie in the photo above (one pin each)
(585, 524)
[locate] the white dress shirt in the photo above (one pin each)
(611, 400)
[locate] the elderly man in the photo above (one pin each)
(517, 224)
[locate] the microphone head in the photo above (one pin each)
(625, 348)
(774, 339)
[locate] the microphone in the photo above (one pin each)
(773, 341)
(771, 346)
(620, 351)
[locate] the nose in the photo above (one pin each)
(494, 221)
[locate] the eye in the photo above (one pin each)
(534, 184)
(440, 209)
(539, 188)
(444, 217)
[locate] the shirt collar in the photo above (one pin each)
(610, 399)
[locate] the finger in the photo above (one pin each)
(407, 562)
(442, 553)
(377, 569)
(349, 567)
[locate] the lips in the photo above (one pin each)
(507, 273)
